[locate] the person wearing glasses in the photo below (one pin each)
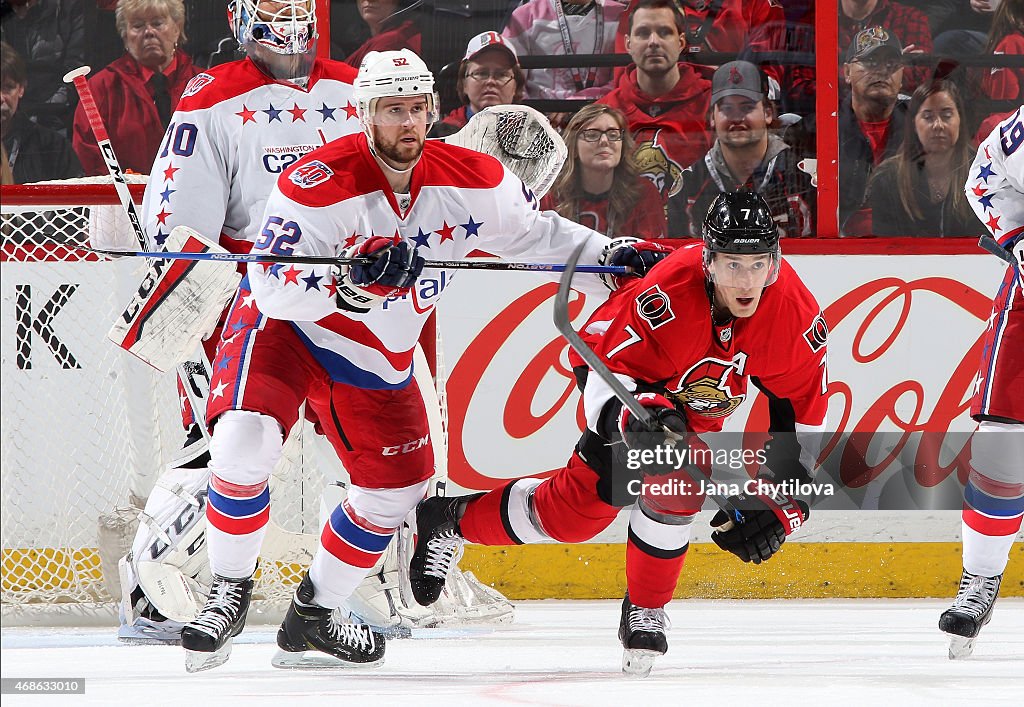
(489, 75)
(747, 155)
(600, 185)
(871, 120)
(908, 24)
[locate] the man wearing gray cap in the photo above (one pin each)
(871, 120)
(745, 155)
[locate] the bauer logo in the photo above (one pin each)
(311, 174)
(197, 84)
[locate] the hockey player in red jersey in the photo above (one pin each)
(343, 342)
(686, 340)
(994, 496)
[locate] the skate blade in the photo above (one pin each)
(315, 660)
(638, 663)
(960, 647)
(198, 661)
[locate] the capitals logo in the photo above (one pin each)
(706, 388)
(310, 174)
(197, 84)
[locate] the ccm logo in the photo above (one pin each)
(406, 448)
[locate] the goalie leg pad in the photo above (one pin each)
(178, 303)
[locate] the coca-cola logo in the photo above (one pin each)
(878, 383)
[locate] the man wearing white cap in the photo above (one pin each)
(489, 75)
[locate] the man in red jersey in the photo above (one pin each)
(665, 102)
(685, 341)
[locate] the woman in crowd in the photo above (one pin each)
(137, 93)
(600, 186)
(391, 28)
(1003, 83)
(489, 75)
(919, 190)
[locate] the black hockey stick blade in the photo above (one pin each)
(564, 326)
(992, 246)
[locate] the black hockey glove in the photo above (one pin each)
(394, 269)
(767, 520)
(633, 253)
(672, 430)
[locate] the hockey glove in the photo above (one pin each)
(766, 522)
(392, 273)
(670, 431)
(634, 253)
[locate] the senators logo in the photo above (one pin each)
(705, 388)
(311, 174)
(816, 335)
(653, 163)
(654, 306)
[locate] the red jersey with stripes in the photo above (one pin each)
(658, 331)
(233, 133)
(995, 191)
(336, 197)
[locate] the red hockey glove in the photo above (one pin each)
(633, 253)
(394, 270)
(767, 520)
(670, 431)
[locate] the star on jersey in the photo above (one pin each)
(161, 237)
(218, 390)
(169, 173)
(993, 224)
(986, 201)
(472, 228)
(246, 115)
(350, 111)
(297, 113)
(422, 240)
(312, 282)
(162, 216)
(249, 299)
(222, 363)
(165, 195)
(326, 113)
(986, 172)
(273, 114)
(291, 275)
(446, 232)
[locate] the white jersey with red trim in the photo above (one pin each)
(233, 133)
(461, 201)
(996, 185)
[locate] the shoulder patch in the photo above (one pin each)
(197, 84)
(307, 176)
(653, 305)
(816, 335)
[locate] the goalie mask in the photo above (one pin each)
(740, 223)
(278, 35)
(392, 74)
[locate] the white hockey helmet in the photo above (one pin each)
(393, 73)
(289, 27)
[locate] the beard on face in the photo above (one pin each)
(397, 151)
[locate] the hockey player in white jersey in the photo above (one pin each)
(343, 342)
(236, 128)
(994, 495)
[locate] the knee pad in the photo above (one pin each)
(996, 452)
(386, 508)
(246, 447)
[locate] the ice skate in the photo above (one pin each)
(438, 545)
(971, 610)
(207, 639)
(313, 636)
(642, 632)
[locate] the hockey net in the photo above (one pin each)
(87, 428)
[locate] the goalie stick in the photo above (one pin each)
(992, 246)
(328, 260)
(564, 326)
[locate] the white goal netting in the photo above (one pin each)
(86, 427)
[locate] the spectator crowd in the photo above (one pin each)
(705, 96)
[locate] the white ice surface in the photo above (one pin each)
(751, 653)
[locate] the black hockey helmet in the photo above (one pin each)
(740, 223)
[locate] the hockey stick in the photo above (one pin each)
(327, 260)
(564, 326)
(992, 246)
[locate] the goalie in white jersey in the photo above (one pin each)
(235, 129)
(343, 342)
(994, 495)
